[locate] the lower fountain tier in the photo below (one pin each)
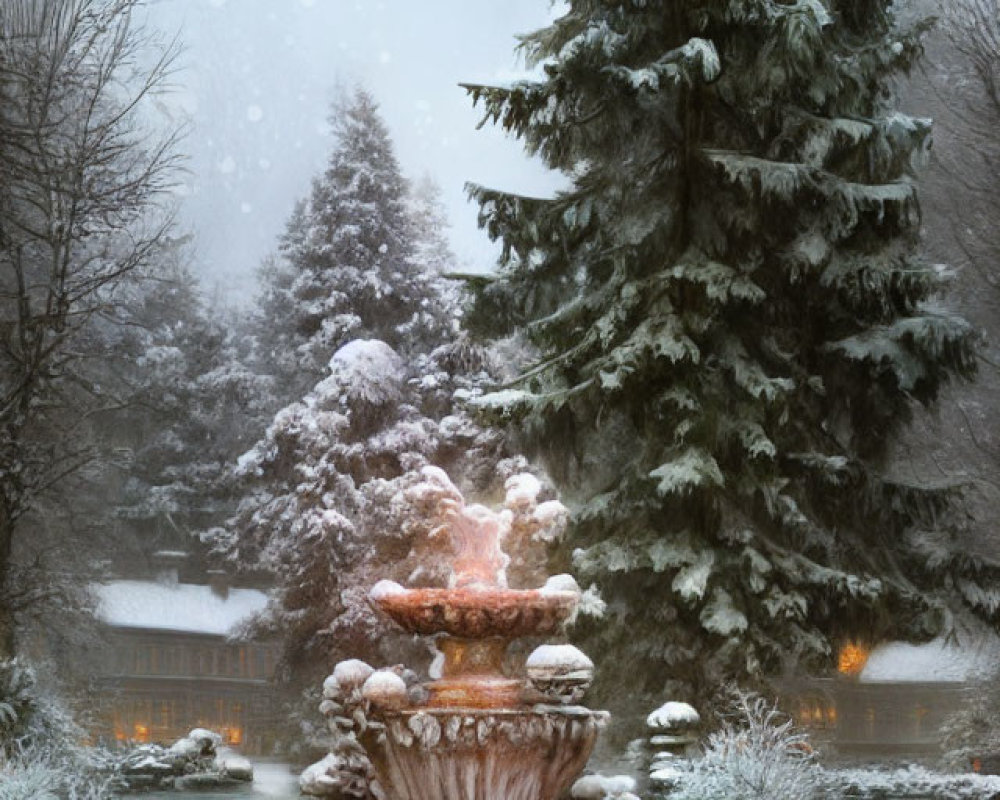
(483, 754)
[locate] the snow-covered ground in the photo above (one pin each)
(271, 781)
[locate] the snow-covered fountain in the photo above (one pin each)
(473, 733)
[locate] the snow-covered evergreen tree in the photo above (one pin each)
(349, 262)
(325, 509)
(195, 407)
(432, 250)
(733, 319)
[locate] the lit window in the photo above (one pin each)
(852, 659)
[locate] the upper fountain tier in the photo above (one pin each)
(477, 603)
(477, 613)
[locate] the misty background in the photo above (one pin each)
(254, 85)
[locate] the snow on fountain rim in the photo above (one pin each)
(386, 588)
(561, 584)
(473, 712)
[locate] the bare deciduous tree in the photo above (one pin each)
(83, 181)
(967, 81)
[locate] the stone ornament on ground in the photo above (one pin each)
(601, 787)
(197, 761)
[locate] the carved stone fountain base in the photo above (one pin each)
(483, 754)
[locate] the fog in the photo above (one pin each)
(254, 84)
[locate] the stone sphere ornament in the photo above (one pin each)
(560, 672)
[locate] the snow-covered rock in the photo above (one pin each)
(558, 659)
(195, 761)
(338, 775)
(234, 766)
(601, 787)
(198, 743)
(331, 688)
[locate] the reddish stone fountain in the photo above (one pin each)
(480, 735)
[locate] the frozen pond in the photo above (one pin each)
(272, 781)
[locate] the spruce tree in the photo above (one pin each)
(195, 406)
(348, 264)
(733, 318)
(326, 513)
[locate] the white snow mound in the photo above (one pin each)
(673, 715)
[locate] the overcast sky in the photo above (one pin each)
(255, 85)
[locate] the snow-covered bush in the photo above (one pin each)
(757, 754)
(913, 781)
(28, 780)
(974, 728)
(41, 755)
(45, 772)
(29, 716)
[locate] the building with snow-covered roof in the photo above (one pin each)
(172, 667)
(893, 698)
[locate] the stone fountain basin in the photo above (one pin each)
(475, 754)
(475, 613)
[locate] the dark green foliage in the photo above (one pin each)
(733, 319)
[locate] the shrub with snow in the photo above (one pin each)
(40, 753)
(913, 782)
(757, 754)
(973, 730)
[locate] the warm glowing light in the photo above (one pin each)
(831, 715)
(119, 735)
(852, 659)
(141, 733)
(234, 736)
